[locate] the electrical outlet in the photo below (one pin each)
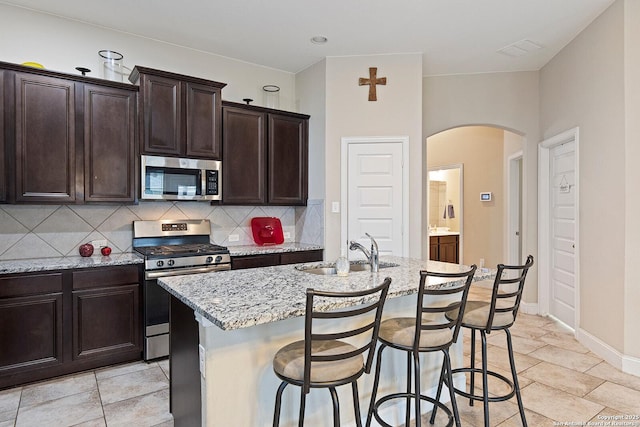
(201, 357)
(481, 263)
(234, 237)
(99, 243)
(286, 235)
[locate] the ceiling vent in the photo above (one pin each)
(519, 48)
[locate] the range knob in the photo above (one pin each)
(170, 262)
(159, 263)
(219, 258)
(209, 259)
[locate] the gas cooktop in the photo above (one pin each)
(179, 250)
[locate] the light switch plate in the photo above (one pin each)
(335, 207)
(234, 237)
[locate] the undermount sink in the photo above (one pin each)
(330, 269)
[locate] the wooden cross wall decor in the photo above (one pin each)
(372, 81)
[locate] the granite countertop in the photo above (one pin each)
(64, 263)
(242, 298)
(244, 250)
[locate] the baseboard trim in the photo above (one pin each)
(529, 307)
(627, 364)
(631, 365)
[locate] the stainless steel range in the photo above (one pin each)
(171, 247)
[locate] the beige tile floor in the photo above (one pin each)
(561, 381)
(134, 394)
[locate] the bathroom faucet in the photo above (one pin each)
(372, 256)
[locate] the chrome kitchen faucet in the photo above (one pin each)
(372, 256)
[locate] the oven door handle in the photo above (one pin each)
(180, 271)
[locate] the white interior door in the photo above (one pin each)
(514, 223)
(375, 196)
(562, 222)
(558, 225)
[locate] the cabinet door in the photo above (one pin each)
(203, 127)
(449, 249)
(109, 144)
(244, 156)
(288, 152)
(161, 115)
(433, 248)
(105, 321)
(45, 139)
(106, 312)
(31, 329)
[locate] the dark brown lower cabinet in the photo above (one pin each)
(269, 260)
(61, 322)
(444, 248)
(31, 325)
(106, 314)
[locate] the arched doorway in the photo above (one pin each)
(490, 208)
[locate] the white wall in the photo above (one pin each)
(584, 86)
(397, 112)
(507, 100)
(632, 176)
(311, 98)
(61, 45)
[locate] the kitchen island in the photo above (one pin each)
(239, 320)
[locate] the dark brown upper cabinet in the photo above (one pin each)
(244, 171)
(73, 138)
(109, 144)
(265, 156)
(45, 138)
(180, 116)
(288, 159)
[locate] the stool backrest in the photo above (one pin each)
(431, 315)
(507, 292)
(365, 311)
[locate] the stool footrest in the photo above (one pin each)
(388, 397)
(502, 378)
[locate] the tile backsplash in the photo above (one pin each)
(38, 231)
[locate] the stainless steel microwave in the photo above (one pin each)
(173, 178)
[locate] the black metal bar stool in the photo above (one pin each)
(428, 331)
(495, 315)
(324, 360)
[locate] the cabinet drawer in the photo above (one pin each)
(448, 239)
(102, 277)
(253, 261)
(30, 285)
(303, 256)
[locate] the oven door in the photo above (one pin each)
(156, 308)
(156, 321)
